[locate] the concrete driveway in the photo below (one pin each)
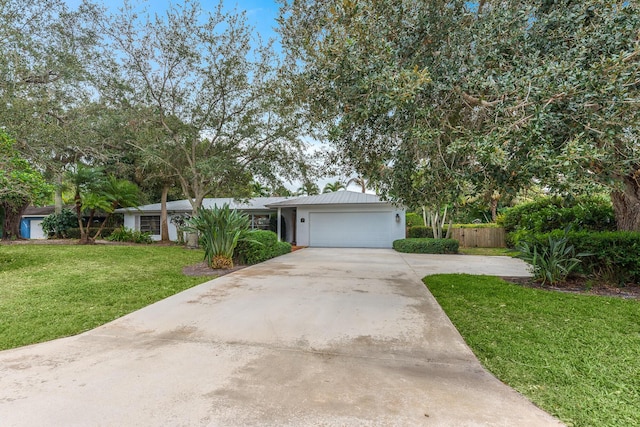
(320, 337)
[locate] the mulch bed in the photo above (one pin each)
(202, 269)
(581, 285)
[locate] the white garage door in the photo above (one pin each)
(36, 230)
(350, 229)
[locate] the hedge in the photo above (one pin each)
(613, 254)
(419, 231)
(426, 246)
(258, 246)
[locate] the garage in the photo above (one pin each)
(343, 219)
(349, 229)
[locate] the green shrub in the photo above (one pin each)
(552, 262)
(414, 220)
(74, 233)
(123, 234)
(613, 255)
(419, 231)
(258, 246)
(426, 246)
(556, 213)
(219, 230)
(56, 225)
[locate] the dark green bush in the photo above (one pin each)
(123, 234)
(556, 213)
(613, 255)
(56, 225)
(419, 231)
(426, 246)
(258, 246)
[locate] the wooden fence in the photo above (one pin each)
(479, 237)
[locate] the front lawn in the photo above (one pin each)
(575, 356)
(52, 291)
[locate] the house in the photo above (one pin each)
(31, 222)
(339, 219)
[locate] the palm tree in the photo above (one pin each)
(360, 181)
(308, 189)
(83, 180)
(259, 190)
(117, 193)
(333, 187)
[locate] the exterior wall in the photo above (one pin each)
(31, 228)
(303, 232)
(132, 221)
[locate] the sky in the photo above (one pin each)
(261, 14)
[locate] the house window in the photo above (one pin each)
(260, 222)
(150, 224)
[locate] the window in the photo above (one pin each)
(260, 222)
(150, 224)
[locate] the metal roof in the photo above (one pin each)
(334, 198)
(255, 204)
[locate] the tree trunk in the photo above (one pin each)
(57, 196)
(626, 205)
(11, 222)
(164, 226)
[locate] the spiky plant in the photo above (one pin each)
(219, 230)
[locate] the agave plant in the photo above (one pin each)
(219, 230)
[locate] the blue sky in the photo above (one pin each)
(261, 14)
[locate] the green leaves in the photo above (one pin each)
(219, 229)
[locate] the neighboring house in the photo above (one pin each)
(338, 219)
(31, 222)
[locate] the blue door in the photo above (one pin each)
(25, 228)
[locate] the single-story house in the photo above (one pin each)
(338, 219)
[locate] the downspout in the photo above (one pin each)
(279, 225)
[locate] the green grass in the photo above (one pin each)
(575, 356)
(489, 251)
(52, 291)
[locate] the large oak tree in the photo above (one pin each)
(488, 96)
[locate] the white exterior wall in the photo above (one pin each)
(398, 230)
(36, 229)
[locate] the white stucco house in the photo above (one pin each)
(339, 219)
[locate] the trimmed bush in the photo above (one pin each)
(258, 246)
(426, 246)
(613, 255)
(556, 213)
(419, 231)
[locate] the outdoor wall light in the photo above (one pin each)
(397, 217)
(301, 219)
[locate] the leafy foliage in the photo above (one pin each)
(419, 231)
(442, 98)
(426, 246)
(220, 229)
(20, 185)
(258, 246)
(56, 225)
(612, 255)
(124, 234)
(556, 213)
(553, 262)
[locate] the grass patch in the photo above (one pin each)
(489, 251)
(575, 356)
(52, 291)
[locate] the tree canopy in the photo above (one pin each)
(438, 98)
